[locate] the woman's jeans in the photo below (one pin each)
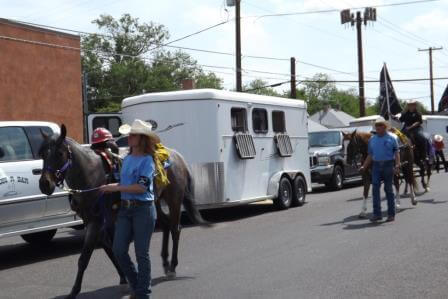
(383, 170)
(135, 223)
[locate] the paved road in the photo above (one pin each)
(320, 250)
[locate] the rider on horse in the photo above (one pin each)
(412, 120)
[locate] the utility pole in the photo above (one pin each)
(85, 106)
(431, 83)
(293, 94)
(239, 82)
(348, 17)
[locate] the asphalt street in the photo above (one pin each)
(320, 250)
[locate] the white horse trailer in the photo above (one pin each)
(436, 125)
(241, 147)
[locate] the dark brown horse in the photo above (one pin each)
(358, 147)
(82, 170)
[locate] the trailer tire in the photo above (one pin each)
(299, 191)
(39, 238)
(284, 198)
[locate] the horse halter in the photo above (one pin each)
(60, 173)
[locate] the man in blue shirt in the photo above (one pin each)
(383, 151)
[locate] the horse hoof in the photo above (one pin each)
(171, 274)
(414, 202)
(427, 189)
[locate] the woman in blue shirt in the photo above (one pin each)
(137, 215)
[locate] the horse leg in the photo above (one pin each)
(175, 234)
(428, 173)
(164, 223)
(90, 240)
(108, 249)
(366, 180)
(397, 191)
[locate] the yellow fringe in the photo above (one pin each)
(401, 136)
(160, 157)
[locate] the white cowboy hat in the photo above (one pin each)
(438, 138)
(381, 120)
(138, 127)
(412, 102)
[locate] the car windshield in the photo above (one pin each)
(323, 139)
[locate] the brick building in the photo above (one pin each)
(40, 76)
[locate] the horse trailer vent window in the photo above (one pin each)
(245, 146)
(239, 119)
(260, 120)
(112, 123)
(278, 122)
(284, 146)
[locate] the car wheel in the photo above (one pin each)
(284, 198)
(39, 237)
(337, 181)
(299, 191)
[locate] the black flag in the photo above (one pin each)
(393, 100)
(443, 104)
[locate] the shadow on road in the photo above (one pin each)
(322, 189)
(365, 221)
(433, 201)
(23, 254)
(70, 242)
(121, 291)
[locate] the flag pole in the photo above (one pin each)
(386, 76)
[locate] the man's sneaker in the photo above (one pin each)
(390, 218)
(376, 219)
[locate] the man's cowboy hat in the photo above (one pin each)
(412, 102)
(381, 121)
(138, 127)
(438, 138)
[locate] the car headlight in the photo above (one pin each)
(323, 161)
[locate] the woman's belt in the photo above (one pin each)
(129, 203)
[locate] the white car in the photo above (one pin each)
(24, 210)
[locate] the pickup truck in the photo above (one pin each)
(328, 159)
(24, 210)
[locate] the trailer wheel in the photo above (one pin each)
(39, 237)
(284, 198)
(299, 191)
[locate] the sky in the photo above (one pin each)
(318, 39)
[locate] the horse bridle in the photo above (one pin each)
(357, 152)
(60, 173)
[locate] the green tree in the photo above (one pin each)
(259, 86)
(127, 59)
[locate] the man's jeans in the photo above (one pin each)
(135, 223)
(383, 170)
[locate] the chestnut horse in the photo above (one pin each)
(358, 146)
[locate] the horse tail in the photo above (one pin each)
(190, 206)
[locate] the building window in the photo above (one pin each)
(260, 120)
(278, 121)
(239, 119)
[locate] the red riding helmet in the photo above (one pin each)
(101, 135)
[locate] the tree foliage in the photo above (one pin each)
(127, 59)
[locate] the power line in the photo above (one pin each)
(337, 10)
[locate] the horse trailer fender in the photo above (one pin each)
(275, 181)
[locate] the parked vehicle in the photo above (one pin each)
(241, 147)
(328, 158)
(24, 210)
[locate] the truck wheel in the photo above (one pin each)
(39, 237)
(337, 180)
(284, 198)
(299, 191)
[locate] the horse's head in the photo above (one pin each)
(353, 147)
(56, 156)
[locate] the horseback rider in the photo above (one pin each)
(413, 121)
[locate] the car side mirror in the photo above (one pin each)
(2, 152)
